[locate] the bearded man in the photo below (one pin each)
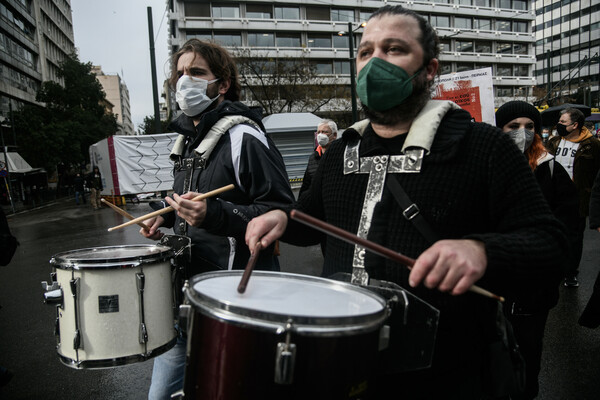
(468, 181)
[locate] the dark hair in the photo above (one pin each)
(429, 39)
(576, 116)
(219, 61)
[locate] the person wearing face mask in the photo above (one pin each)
(546, 134)
(576, 149)
(467, 182)
(528, 312)
(221, 141)
(326, 134)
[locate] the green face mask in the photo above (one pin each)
(382, 85)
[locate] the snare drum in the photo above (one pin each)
(114, 304)
(288, 336)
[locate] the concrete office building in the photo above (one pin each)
(35, 36)
(568, 46)
(117, 93)
(474, 34)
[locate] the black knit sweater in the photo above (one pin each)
(474, 184)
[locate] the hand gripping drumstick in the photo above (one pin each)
(372, 246)
(124, 213)
(169, 209)
(249, 267)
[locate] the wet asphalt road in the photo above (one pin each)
(570, 370)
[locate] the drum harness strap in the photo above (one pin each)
(417, 144)
(202, 153)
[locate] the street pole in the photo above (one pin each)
(352, 73)
(7, 177)
(549, 77)
(153, 69)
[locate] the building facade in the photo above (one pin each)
(35, 37)
(116, 93)
(474, 34)
(568, 47)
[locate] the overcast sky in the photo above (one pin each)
(114, 35)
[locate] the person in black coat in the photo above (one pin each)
(590, 318)
(326, 133)
(528, 315)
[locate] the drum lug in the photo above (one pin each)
(141, 285)
(384, 337)
(75, 284)
(185, 310)
(53, 293)
(285, 359)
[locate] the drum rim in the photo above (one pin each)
(61, 260)
(311, 325)
(117, 361)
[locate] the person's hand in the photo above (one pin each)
(266, 228)
(450, 266)
(598, 229)
(193, 212)
(154, 223)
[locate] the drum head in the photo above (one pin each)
(272, 299)
(111, 256)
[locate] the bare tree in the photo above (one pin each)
(283, 84)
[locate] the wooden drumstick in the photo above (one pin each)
(124, 213)
(169, 209)
(372, 246)
(249, 267)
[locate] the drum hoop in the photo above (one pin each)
(61, 261)
(306, 325)
(117, 361)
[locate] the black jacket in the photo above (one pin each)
(245, 157)
(311, 168)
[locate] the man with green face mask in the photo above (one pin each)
(468, 181)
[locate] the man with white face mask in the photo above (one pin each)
(221, 142)
(326, 134)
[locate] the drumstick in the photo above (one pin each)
(124, 213)
(372, 246)
(249, 267)
(169, 209)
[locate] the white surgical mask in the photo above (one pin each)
(322, 139)
(191, 95)
(522, 137)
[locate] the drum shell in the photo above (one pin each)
(233, 358)
(108, 305)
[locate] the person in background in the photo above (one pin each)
(546, 133)
(528, 313)
(78, 183)
(207, 88)
(578, 151)
(590, 317)
(471, 185)
(94, 182)
(326, 134)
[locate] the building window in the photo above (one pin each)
(461, 67)
(504, 48)
(464, 2)
(200, 35)
(503, 70)
(261, 11)
(520, 26)
(322, 67)
(519, 48)
(503, 26)
(463, 23)
(196, 9)
(482, 3)
(483, 47)
(261, 39)
(288, 40)
(464, 46)
(228, 39)
(287, 13)
(440, 21)
(226, 12)
(482, 23)
(446, 68)
(364, 16)
(342, 15)
(444, 45)
(504, 3)
(317, 13)
(315, 40)
(341, 42)
(504, 92)
(521, 70)
(341, 67)
(519, 4)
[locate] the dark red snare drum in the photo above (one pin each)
(287, 337)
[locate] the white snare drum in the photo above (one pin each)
(114, 304)
(288, 336)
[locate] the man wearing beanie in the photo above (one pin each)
(576, 149)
